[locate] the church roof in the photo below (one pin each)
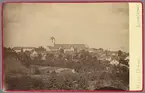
(67, 46)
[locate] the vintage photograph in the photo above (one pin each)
(66, 46)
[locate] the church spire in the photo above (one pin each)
(53, 40)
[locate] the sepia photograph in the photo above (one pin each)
(66, 46)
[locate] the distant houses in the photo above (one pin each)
(63, 48)
(66, 48)
(75, 51)
(58, 48)
(40, 50)
(23, 49)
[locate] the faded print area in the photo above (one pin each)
(64, 46)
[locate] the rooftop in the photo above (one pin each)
(67, 46)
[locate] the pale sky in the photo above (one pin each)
(100, 25)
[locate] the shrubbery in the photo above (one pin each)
(54, 82)
(69, 81)
(23, 83)
(88, 69)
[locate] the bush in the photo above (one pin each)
(12, 66)
(37, 71)
(23, 83)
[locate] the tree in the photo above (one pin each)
(84, 54)
(39, 56)
(8, 52)
(61, 50)
(120, 53)
(82, 82)
(40, 49)
(23, 83)
(101, 49)
(49, 56)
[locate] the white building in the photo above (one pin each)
(114, 62)
(33, 55)
(23, 49)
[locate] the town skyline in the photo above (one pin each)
(33, 24)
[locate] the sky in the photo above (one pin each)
(99, 25)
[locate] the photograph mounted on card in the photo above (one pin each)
(72, 46)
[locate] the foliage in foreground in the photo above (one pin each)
(71, 81)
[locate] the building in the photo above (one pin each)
(90, 50)
(93, 50)
(38, 51)
(114, 62)
(23, 49)
(33, 54)
(66, 48)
